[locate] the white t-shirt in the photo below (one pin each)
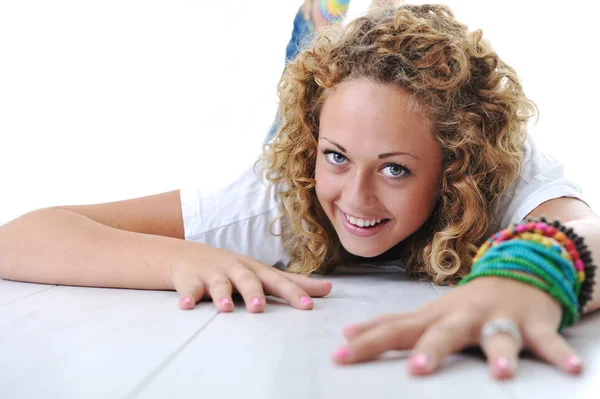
(239, 216)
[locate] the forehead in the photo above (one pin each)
(374, 116)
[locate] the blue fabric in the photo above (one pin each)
(301, 35)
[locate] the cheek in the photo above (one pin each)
(419, 202)
(320, 182)
(412, 206)
(325, 183)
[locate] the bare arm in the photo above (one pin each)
(139, 243)
(577, 215)
(120, 244)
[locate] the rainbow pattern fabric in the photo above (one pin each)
(333, 10)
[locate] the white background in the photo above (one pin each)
(106, 100)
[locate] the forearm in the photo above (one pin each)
(589, 229)
(55, 246)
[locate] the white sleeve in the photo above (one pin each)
(238, 217)
(542, 179)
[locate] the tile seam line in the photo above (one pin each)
(439, 294)
(143, 384)
(27, 296)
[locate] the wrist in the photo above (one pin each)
(549, 256)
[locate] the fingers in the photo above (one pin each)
(295, 289)
(552, 347)
(189, 294)
(248, 277)
(353, 330)
(393, 334)
(276, 284)
(449, 335)
(250, 287)
(502, 350)
(313, 287)
(220, 291)
(502, 353)
(190, 290)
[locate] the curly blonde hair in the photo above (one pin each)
(479, 115)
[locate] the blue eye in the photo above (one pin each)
(334, 158)
(395, 171)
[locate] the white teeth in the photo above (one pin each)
(362, 222)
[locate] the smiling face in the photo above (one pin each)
(378, 168)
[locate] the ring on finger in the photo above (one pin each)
(504, 326)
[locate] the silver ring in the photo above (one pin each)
(505, 326)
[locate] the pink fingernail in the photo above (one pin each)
(419, 361)
(573, 363)
(186, 300)
(225, 301)
(306, 300)
(342, 353)
(256, 302)
(501, 364)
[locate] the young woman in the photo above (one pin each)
(402, 137)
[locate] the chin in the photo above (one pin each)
(364, 251)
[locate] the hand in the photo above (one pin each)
(454, 322)
(208, 272)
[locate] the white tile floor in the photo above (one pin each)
(126, 75)
(71, 342)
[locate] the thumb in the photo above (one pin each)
(189, 294)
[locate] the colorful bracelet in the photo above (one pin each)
(560, 269)
(570, 314)
(562, 240)
(527, 257)
(532, 259)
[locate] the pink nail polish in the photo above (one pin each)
(306, 300)
(573, 362)
(501, 364)
(186, 301)
(256, 302)
(342, 353)
(420, 361)
(225, 301)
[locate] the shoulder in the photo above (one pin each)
(542, 178)
(241, 216)
(206, 208)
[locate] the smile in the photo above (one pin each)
(362, 227)
(362, 222)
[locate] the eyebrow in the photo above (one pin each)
(380, 156)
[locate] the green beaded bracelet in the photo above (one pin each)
(570, 313)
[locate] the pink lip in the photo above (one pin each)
(361, 231)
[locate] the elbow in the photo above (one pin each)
(14, 236)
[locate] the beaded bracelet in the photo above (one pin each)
(558, 268)
(556, 236)
(531, 258)
(570, 315)
(508, 258)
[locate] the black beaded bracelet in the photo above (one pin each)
(587, 285)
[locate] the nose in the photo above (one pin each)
(359, 191)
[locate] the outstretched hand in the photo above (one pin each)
(215, 273)
(455, 321)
